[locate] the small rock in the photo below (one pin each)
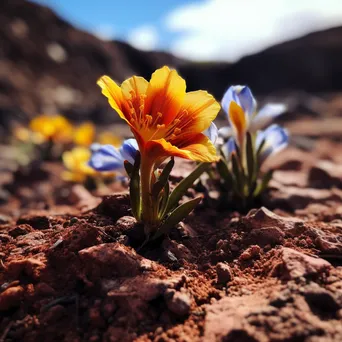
(129, 226)
(178, 302)
(296, 264)
(266, 236)
(177, 249)
(261, 218)
(111, 259)
(250, 253)
(37, 222)
(11, 298)
(224, 273)
(125, 223)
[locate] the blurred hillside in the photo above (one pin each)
(47, 65)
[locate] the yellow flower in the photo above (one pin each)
(107, 138)
(165, 120)
(56, 128)
(78, 170)
(76, 162)
(84, 134)
(25, 135)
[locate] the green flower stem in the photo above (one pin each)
(149, 212)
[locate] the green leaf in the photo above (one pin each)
(163, 201)
(258, 154)
(250, 160)
(222, 169)
(238, 175)
(134, 188)
(184, 185)
(159, 185)
(263, 184)
(261, 147)
(176, 216)
(128, 167)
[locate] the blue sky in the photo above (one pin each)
(117, 19)
(200, 29)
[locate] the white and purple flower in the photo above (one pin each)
(241, 108)
(109, 158)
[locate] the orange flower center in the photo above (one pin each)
(151, 127)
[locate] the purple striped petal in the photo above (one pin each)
(129, 149)
(228, 148)
(212, 133)
(105, 158)
(276, 139)
(266, 114)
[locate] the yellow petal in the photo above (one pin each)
(195, 147)
(134, 90)
(114, 95)
(68, 160)
(202, 108)
(84, 135)
(165, 94)
(238, 119)
(109, 138)
(133, 87)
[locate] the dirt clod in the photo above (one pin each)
(11, 297)
(224, 273)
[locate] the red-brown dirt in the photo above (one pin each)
(71, 268)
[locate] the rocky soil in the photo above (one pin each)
(71, 268)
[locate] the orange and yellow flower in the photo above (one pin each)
(165, 120)
(54, 128)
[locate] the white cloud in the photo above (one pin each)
(144, 38)
(230, 29)
(105, 32)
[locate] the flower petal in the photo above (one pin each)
(84, 134)
(276, 138)
(201, 108)
(132, 89)
(228, 148)
(212, 132)
(165, 94)
(114, 95)
(238, 120)
(228, 97)
(242, 96)
(106, 158)
(195, 147)
(225, 132)
(247, 100)
(266, 114)
(129, 149)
